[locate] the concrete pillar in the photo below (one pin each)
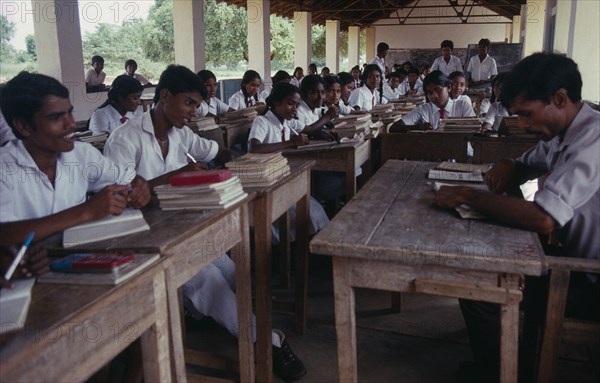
(259, 38)
(508, 33)
(535, 20)
(516, 29)
(563, 33)
(188, 28)
(332, 45)
(302, 39)
(371, 44)
(58, 42)
(353, 47)
(584, 49)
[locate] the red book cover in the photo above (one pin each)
(103, 261)
(200, 177)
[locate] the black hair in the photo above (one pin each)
(309, 84)
(396, 74)
(206, 75)
(485, 42)
(97, 59)
(325, 68)
(130, 62)
(447, 44)
(382, 47)
(367, 71)
(298, 68)
(313, 65)
(328, 81)
(345, 78)
(249, 75)
(280, 76)
(279, 92)
(357, 67)
(122, 86)
(436, 77)
(413, 71)
(407, 63)
(24, 95)
(539, 76)
(179, 79)
(456, 74)
(498, 79)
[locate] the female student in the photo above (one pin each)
(280, 76)
(391, 88)
(497, 110)
(412, 85)
(297, 76)
(367, 96)
(459, 84)
(437, 88)
(248, 95)
(122, 103)
(311, 112)
(333, 94)
(212, 105)
(347, 85)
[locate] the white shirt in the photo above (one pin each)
(294, 81)
(453, 65)
(267, 129)
(364, 98)
(108, 119)
(26, 192)
(389, 93)
(139, 77)
(344, 109)
(134, 145)
(238, 101)
(430, 113)
(6, 133)
(494, 115)
(405, 87)
(482, 70)
(93, 78)
(306, 115)
(380, 63)
(265, 93)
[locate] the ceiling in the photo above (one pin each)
(364, 13)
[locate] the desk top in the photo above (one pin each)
(296, 167)
(394, 217)
(322, 146)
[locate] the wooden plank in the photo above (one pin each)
(423, 146)
(459, 290)
(205, 359)
(492, 149)
(195, 378)
(345, 322)
(509, 335)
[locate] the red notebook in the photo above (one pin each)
(200, 177)
(92, 262)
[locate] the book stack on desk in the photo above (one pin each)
(460, 125)
(97, 139)
(374, 129)
(199, 124)
(259, 169)
(352, 124)
(201, 190)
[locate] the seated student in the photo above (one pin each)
(312, 68)
(248, 95)
(459, 84)
(333, 93)
(496, 111)
(356, 74)
(396, 67)
(407, 66)
(310, 112)
(423, 72)
(280, 76)
(297, 76)
(440, 105)
(94, 77)
(130, 68)
(346, 88)
(122, 104)
(544, 90)
(447, 63)
(367, 96)
(482, 68)
(156, 146)
(325, 72)
(412, 85)
(212, 106)
(391, 88)
(38, 196)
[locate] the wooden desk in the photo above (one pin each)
(146, 101)
(344, 158)
(391, 237)
(491, 149)
(190, 240)
(430, 146)
(269, 204)
(73, 330)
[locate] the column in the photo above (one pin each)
(332, 45)
(353, 47)
(563, 33)
(188, 28)
(534, 19)
(516, 29)
(371, 44)
(302, 39)
(584, 49)
(259, 38)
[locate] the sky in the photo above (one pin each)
(91, 12)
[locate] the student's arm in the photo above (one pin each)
(34, 263)
(332, 112)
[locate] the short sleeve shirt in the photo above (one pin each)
(267, 129)
(108, 119)
(364, 98)
(428, 112)
(93, 78)
(452, 66)
(482, 70)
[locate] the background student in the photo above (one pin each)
(447, 63)
(312, 68)
(379, 60)
(130, 70)
(482, 68)
(280, 76)
(122, 104)
(248, 94)
(95, 76)
(412, 84)
(496, 111)
(213, 107)
(367, 96)
(311, 112)
(391, 88)
(356, 75)
(459, 84)
(297, 76)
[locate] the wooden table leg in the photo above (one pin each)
(350, 178)
(509, 333)
(345, 321)
(284, 251)
(175, 330)
(301, 292)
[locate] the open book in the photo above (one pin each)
(436, 174)
(14, 305)
(129, 222)
(466, 212)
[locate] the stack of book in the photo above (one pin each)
(201, 190)
(352, 124)
(241, 116)
(199, 124)
(374, 129)
(460, 124)
(259, 169)
(97, 139)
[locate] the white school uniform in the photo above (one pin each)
(108, 119)
(482, 70)
(294, 81)
(306, 115)
(26, 191)
(405, 87)
(344, 109)
(364, 98)
(266, 92)
(238, 101)
(494, 115)
(93, 78)
(139, 77)
(389, 93)
(452, 66)
(430, 113)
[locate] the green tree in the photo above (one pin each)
(226, 31)
(157, 39)
(31, 50)
(7, 32)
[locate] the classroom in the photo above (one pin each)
(218, 223)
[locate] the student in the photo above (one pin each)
(310, 111)
(459, 84)
(248, 95)
(122, 104)
(407, 66)
(312, 68)
(440, 105)
(156, 146)
(297, 76)
(333, 94)
(280, 76)
(94, 77)
(35, 262)
(367, 96)
(130, 68)
(46, 192)
(544, 90)
(356, 74)
(325, 72)
(213, 107)
(379, 60)
(391, 89)
(346, 87)
(482, 68)
(412, 85)
(496, 111)
(423, 72)
(447, 63)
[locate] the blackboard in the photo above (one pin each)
(421, 57)
(506, 55)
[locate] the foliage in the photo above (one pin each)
(226, 31)
(31, 49)
(157, 37)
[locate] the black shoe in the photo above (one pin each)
(286, 364)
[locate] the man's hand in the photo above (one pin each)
(501, 177)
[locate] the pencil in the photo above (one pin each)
(17, 260)
(190, 157)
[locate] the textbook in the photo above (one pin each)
(259, 170)
(14, 304)
(129, 222)
(92, 262)
(465, 212)
(136, 266)
(208, 196)
(461, 167)
(200, 177)
(436, 174)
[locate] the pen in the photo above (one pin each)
(190, 157)
(19, 256)
(293, 130)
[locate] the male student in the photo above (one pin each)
(544, 90)
(94, 77)
(130, 68)
(447, 62)
(379, 60)
(391, 88)
(157, 146)
(482, 68)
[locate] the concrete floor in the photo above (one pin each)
(426, 342)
